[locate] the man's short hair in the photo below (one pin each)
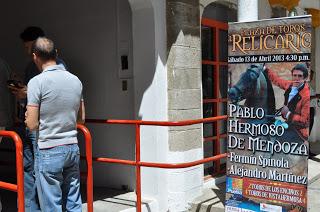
(301, 67)
(31, 33)
(44, 49)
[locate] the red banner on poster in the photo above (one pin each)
(275, 192)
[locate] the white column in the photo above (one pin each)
(150, 87)
(247, 10)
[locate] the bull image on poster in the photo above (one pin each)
(268, 115)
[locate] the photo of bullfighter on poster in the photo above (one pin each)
(268, 115)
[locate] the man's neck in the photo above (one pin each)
(48, 63)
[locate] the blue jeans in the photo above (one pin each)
(58, 178)
(29, 140)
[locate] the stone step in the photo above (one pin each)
(212, 200)
(120, 203)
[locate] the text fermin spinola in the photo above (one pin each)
(271, 37)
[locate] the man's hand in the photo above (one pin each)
(20, 93)
(285, 112)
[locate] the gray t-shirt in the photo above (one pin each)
(6, 107)
(57, 93)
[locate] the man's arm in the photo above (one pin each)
(275, 79)
(20, 93)
(81, 113)
(32, 117)
(32, 113)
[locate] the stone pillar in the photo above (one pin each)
(264, 10)
(184, 100)
(247, 10)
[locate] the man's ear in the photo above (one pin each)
(34, 56)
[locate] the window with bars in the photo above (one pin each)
(214, 35)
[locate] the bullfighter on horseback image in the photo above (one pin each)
(296, 106)
(259, 88)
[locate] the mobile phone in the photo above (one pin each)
(15, 83)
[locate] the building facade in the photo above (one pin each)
(160, 60)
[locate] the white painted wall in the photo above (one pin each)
(150, 80)
(88, 37)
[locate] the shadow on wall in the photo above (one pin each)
(182, 18)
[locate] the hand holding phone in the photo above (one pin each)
(15, 84)
(17, 88)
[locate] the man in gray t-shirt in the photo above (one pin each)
(54, 106)
(59, 93)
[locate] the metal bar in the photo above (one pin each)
(8, 186)
(217, 108)
(213, 138)
(213, 23)
(157, 123)
(161, 165)
(88, 140)
(215, 100)
(138, 169)
(183, 165)
(112, 160)
(210, 62)
(19, 168)
(140, 164)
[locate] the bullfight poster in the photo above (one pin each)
(268, 115)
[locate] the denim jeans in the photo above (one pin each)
(58, 178)
(29, 140)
